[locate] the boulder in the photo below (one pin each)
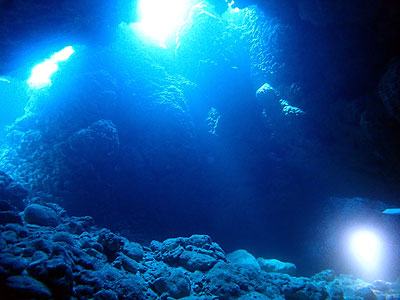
(366, 293)
(326, 275)
(133, 250)
(268, 98)
(303, 289)
(193, 261)
(56, 273)
(244, 258)
(25, 287)
(18, 229)
(105, 295)
(11, 191)
(12, 265)
(127, 263)
(111, 243)
(177, 285)
(276, 266)
(197, 252)
(131, 287)
(256, 296)
(41, 215)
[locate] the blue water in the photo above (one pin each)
(158, 140)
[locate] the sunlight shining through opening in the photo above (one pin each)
(40, 76)
(366, 248)
(159, 19)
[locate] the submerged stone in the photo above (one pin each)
(41, 215)
(276, 266)
(244, 258)
(25, 287)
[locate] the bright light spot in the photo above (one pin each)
(159, 19)
(40, 76)
(62, 55)
(366, 248)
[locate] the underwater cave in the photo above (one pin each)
(189, 149)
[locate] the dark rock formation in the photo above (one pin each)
(40, 215)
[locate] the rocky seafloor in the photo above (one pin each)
(46, 254)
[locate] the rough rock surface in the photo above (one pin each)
(73, 259)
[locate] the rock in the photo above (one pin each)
(12, 192)
(25, 287)
(38, 257)
(133, 250)
(326, 275)
(273, 106)
(196, 298)
(43, 245)
(18, 229)
(105, 295)
(9, 236)
(276, 266)
(366, 293)
(128, 264)
(96, 255)
(87, 242)
(87, 261)
(380, 285)
(222, 282)
(194, 253)
(193, 261)
(11, 264)
(10, 217)
(335, 292)
(131, 287)
(268, 98)
(156, 246)
(41, 215)
(244, 258)
(288, 109)
(77, 225)
(303, 289)
(56, 273)
(198, 240)
(111, 243)
(177, 285)
(83, 291)
(98, 142)
(63, 237)
(255, 296)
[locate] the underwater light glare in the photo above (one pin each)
(366, 248)
(161, 18)
(40, 76)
